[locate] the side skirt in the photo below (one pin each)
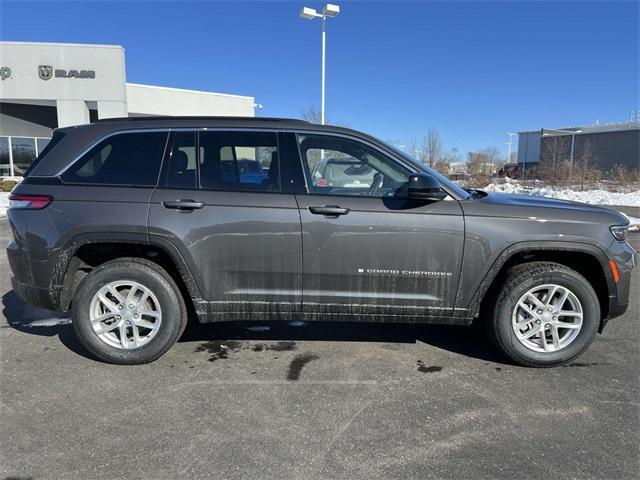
(212, 312)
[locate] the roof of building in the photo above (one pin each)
(592, 128)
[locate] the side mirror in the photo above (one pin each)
(423, 186)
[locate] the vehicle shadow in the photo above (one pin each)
(26, 318)
(467, 341)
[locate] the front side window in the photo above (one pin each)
(341, 166)
(241, 161)
(123, 159)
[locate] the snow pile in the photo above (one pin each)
(4, 203)
(634, 223)
(594, 197)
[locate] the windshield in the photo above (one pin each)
(450, 185)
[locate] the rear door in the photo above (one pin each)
(367, 249)
(222, 204)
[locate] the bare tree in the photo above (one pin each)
(554, 154)
(311, 114)
(432, 147)
(583, 170)
(484, 162)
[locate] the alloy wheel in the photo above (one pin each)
(125, 314)
(547, 318)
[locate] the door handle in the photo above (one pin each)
(183, 205)
(331, 211)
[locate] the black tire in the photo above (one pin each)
(521, 279)
(153, 277)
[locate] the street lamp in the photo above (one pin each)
(328, 11)
(554, 132)
(509, 143)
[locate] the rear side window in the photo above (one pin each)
(124, 159)
(239, 161)
(45, 148)
(182, 171)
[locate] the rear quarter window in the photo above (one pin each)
(131, 159)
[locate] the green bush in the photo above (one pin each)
(7, 185)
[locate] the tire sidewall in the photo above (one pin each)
(165, 293)
(590, 321)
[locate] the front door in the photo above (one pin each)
(367, 249)
(221, 203)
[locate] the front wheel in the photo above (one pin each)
(128, 311)
(546, 314)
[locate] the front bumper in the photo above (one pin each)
(626, 259)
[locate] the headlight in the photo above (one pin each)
(620, 232)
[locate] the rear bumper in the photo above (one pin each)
(38, 296)
(27, 277)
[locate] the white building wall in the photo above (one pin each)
(25, 83)
(150, 100)
(72, 112)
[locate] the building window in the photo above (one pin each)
(17, 154)
(23, 151)
(41, 143)
(5, 165)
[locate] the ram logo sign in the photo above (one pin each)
(46, 72)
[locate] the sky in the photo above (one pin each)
(471, 70)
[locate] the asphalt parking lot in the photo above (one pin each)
(313, 401)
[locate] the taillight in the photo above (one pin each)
(29, 202)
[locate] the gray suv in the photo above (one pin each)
(132, 223)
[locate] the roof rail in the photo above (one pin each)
(197, 117)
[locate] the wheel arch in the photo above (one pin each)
(588, 260)
(83, 253)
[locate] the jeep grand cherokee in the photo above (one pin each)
(129, 223)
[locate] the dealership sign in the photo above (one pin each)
(5, 72)
(46, 72)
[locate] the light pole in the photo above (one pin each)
(328, 11)
(509, 145)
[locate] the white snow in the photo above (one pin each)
(4, 203)
(634, 223)
(594, 197)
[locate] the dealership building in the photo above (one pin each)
(48, 85)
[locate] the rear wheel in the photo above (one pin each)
(545, 314)
(128, 311)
